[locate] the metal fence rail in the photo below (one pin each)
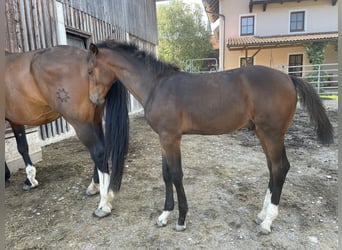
(324, 77)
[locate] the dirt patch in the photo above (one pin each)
(225, 179)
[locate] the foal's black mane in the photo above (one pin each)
(150, 61)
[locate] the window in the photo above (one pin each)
(246, 63)
(296, 65)
(297, 19)
(247, 25)
(78, 39)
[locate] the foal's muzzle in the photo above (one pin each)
(96, 98)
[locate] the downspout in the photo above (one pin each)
(221, 38)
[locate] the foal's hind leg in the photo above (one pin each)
(20, 136)
(278, 166)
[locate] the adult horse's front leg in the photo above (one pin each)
(91, 137)
(94, 186)
(20, 136)
(173, 174)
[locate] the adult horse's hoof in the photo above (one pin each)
(93, 189)
(180, 228)
(99, 213)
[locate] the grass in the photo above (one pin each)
(329, 97)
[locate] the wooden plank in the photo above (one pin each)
(30, 31)
(46, 21)
(41, 24)
(35, 20)
(23, 28)
(53, 22)
(12, 27)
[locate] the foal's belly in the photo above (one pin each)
(215, 124)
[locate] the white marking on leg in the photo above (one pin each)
(180, 228)
(31, 175)
(93, 188)
(107, 195)
(263, 212)
(162, 219)
(271, 214)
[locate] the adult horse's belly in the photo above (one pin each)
(30, 115)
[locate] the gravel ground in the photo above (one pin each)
(225, 179)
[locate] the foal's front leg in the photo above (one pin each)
(169, 201)
(173, 174)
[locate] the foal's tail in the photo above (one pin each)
(116, 132)
(313, 104)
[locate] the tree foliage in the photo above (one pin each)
(182, 33)
(315, 51)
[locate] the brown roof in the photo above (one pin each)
(212, 9)
(271, 41)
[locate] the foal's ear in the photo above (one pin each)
(93, 49)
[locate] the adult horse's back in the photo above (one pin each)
(42, 85)
(177, 103)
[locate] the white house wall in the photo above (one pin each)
(275, 20)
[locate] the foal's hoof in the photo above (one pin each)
(263, 231)
(99, 213)
(258, 220)
(180, 228)
(161, 223)
(28, 187)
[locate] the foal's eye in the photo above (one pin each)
(90, 72)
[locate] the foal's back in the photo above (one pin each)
(218, 103)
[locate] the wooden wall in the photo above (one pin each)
(136, 17)
(34, 24)
(31, 24)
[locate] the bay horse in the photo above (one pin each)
(45, 84)
(177, 103)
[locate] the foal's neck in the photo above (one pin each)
(139, 81)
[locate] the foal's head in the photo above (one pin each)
(101, 77)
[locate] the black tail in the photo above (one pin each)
(7, 173)
(116, 132)
(313, 104)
